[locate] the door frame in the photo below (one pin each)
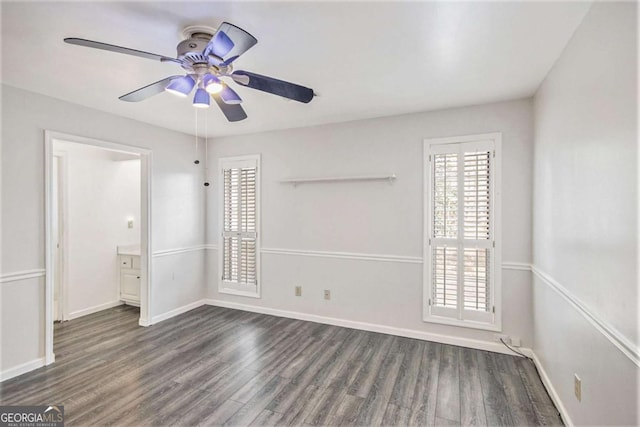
(62, 266)
(145, 226)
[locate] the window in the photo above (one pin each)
(462, 281)
(239, 213)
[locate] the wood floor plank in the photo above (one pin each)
(423, 407)
(471, 408)
(248, 390)
(522, 410)
(329, 402)
(308, 384)
(267, 418)
(347, 410)
(216, 366)
(405, 386)
(374, 406)
(546, 412)
(448, 404)
(375, 352)
(396, 416)
(496, 405)
(208, 412)
(446, 422)
(250, 410)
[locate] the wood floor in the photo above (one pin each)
(214, 366)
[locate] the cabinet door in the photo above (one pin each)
(130, 285)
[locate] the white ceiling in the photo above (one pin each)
(365, 59)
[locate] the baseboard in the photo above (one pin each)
(552, 391)
(175, 312)
(94, 309)
(21, 369)
(371, 327)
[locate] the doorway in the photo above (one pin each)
(103, 190)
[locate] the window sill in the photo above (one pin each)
(463, 323)
(229, 291)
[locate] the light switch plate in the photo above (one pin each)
(298, 291)
(327, 294)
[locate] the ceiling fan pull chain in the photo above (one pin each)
(196, 161)
(206, 153)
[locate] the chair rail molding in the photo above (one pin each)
(22, 275)
(612, 334)
(510, 265)
(174, 251)
(343, 255)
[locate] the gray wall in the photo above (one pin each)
(177, 212)
(374, 218)
(586, 218)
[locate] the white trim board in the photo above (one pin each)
(175, 251)
(365, 256)
(344, 255)
(21, 369)
(521, 266)
(96, 308)
(555, 397)
(371, 327)
(22, 275)
(617, 339)
(175, 312)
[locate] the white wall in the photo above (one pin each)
(177, 212)
(586, 217)
(103, 191)
(374, 217)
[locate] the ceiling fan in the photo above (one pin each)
(207, 55)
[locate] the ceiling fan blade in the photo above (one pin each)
(275, 86)
(148, 91)
(119, 49)
(229, 42)
(233, 112)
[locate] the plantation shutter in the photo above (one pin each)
(239, 234)
(461, 241)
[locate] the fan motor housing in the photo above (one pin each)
(192, 45)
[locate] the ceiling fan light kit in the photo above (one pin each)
(207, 56)
(212, 84)
(181, 86)
(201, 99)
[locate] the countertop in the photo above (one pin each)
(129, 250)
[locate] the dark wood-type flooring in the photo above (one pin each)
(214, 366)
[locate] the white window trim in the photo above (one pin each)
(427, 316)
(226, 287)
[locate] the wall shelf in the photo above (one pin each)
(297, 181)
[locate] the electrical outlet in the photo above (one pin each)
(577, 387)
(503, 337)
(516, 342)
(298, 291)
(327, 294)
(130, 223)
